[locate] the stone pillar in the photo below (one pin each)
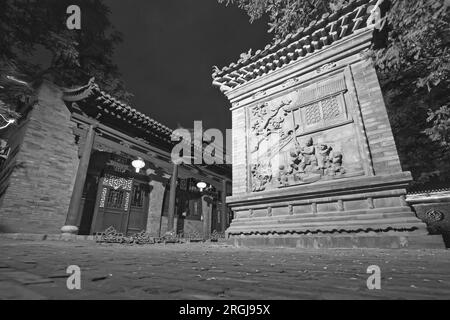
(172, 198)
(239, 153)
(70, 226)
(224, 210)
(206, 215)
(156, 199)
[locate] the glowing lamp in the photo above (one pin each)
(201, 185)
(138, 164)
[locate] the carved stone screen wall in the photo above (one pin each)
(314, 160)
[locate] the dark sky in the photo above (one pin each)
(169, 49)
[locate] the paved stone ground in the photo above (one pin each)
(37, 270)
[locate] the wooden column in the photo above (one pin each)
(224, 210)
(172, 198)
(206, 214)
(70, 226)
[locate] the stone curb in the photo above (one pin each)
(41, 237)
(66, 237)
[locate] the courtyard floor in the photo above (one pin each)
(37, 270)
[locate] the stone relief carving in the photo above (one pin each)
(261, 176)
(310, 163)
(325, 67)
(259, 94)
(267, 120)
(311, 114)
(306, 164)
(289, 82)
(433, 215)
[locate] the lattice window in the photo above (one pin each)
(330, 108)
(137, 196)
(115, 199)
(323, 112)
(312, 114)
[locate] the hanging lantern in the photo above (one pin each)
(201, 185)
(138, 164)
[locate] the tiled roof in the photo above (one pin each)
(110, 104)
(429, 188)
(96, 100)
(319, 34)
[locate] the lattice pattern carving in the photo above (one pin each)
(330, 108)
(115, 199)
(127, 201)
(117, 182)
(103, 197)
(312, 114)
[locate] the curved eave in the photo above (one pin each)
(295, 47)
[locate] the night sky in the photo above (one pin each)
(168, 52)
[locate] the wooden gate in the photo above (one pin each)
(122, 203)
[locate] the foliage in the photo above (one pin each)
(413, 65)
(413, 68)
(286, 16)
(32, 30)
(440, 130)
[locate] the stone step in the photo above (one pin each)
(320, 219)
(329, 214)
(381, 224)
(391, 241)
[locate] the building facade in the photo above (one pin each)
(70, 168)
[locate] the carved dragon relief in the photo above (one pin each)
(267, 120)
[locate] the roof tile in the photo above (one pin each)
(319, 33)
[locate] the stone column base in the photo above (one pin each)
(69, 230)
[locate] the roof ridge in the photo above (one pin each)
(282, 51)
(95, 86)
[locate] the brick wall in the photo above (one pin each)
(378, 130)
(40, 186)
(239, 166)
(14, 136)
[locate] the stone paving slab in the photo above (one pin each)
(37, 270)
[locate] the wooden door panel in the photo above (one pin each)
(113, 218)
(122, 204)
(112, 205)
(135, 222)
(138, 208)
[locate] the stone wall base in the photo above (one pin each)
(392, 240)
(352, 212)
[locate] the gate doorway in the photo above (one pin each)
(122, 203)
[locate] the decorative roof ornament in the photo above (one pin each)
(6, 122)
(109, 104)
(245, 55)
(375, 19)
(356, 16)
